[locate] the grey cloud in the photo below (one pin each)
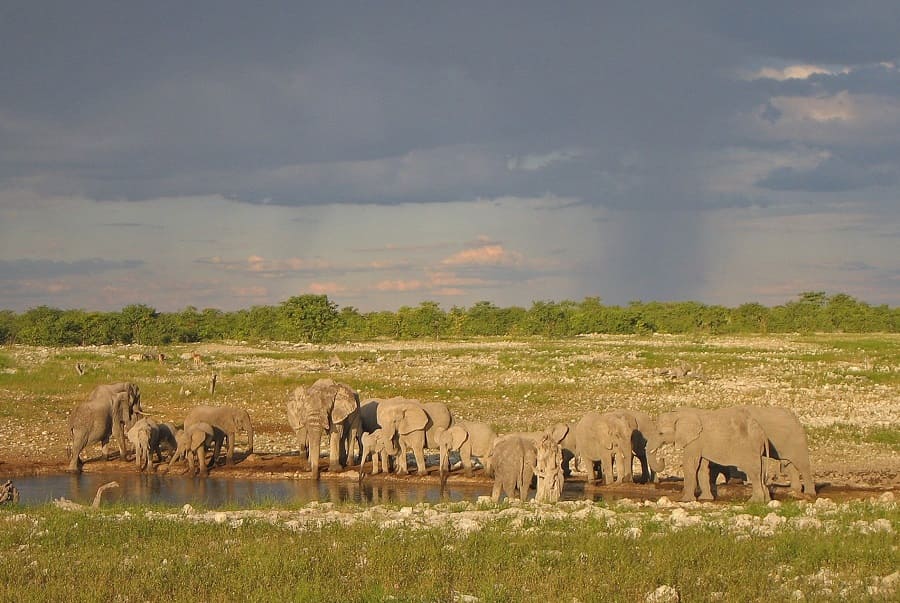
(38, 269)
(832, 175)
(149, 112)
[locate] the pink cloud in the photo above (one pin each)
(492, 254)
(330, 288)
(399, 286)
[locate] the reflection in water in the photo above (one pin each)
(213, 492)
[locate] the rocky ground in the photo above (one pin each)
(841, 394)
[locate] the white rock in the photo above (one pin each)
(663, 594)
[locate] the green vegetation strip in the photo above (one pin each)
(841, 552)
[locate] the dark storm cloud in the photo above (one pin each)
(39, 269)
(312, 103)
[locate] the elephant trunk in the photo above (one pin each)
(313, 443)
(391, 443)
(249, 438)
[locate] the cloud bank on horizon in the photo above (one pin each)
(222, 154)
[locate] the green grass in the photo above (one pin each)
(885, 436)
(48, 554)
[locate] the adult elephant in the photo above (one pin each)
(515, 461)
(230, 420)
(787, 443)
(108, 411)
(603, 436)
(651, 465)
(470, 439)
(729, 436)
(325, 407)
(410, 425)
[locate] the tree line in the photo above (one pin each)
(316, 319)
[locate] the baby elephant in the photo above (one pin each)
(144, 436)
(375, 443)
(193, 441)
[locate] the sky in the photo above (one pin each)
(233, 154)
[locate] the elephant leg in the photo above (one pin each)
(496, 491)
(607, 468)
(646, 474)
(402, 468)
(419, 453)
(334, 450)
(229, 454)
(104, 448)
(465, 455)
(623, 471)
(706, 483)
(201, 461)
(756, 471)
(690, 464)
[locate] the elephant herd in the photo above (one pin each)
(115, 409)
(726, 441)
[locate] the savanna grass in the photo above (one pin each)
(49, 554)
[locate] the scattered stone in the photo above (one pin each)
(663, 594)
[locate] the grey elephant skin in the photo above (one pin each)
(606, 437)
(329, 407)
(646, 428)
(729, 436)
(108, 411)
(410, 425)
(515, 462)
(144, 436)
(375, 444)
(230, 420)
(192, 443)
(514, 459)
(787, 443)
(470, 438)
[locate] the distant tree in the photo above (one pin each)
(351, 324)
(311, 318)
(8, 326)
(753, 317)
(137, 318)
(425, 320)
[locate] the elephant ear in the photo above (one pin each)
(346, 401)
(558, 432)
(687, 429)
(414, 419)
(455, 436)
(121, 407)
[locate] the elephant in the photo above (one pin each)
(728, 436)
(109, 410)
(167, 440)
(409, 424)
(515, 460)
(375, 444)
(787, 443)
(144, 436)
(651, 464)
(325, 407)
(192, 441)
(469, 438)
(230, 420)
(602, 437)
